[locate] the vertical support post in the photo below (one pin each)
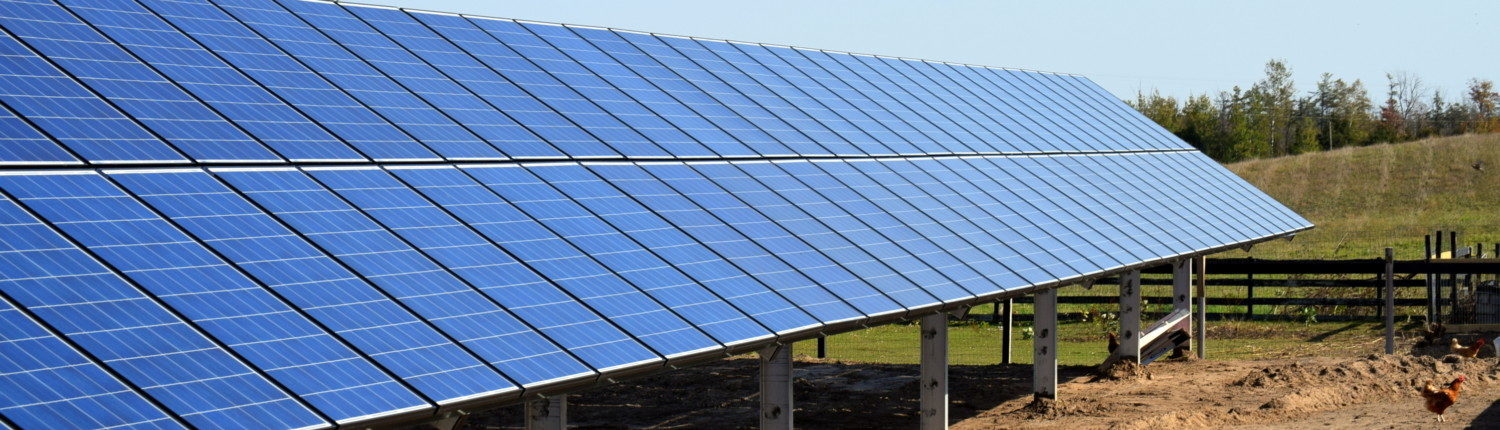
(547, 413)
(1008, 324)
(1200, 336)
(822, 346)
(1044, 346)
(1130, 317)
(1250, 295)
(776, 387)
(1390, 301)
(1437, 278)
(1182, 288)
(934, 380)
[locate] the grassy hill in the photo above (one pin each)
(1366, 198)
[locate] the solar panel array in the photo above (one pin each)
(295, 214)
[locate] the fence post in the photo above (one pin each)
(1250, 296)
(1453, 279)
(1437, 278)
(1431, 299)
(822, 346)
(1390, 301)
(1005, 331)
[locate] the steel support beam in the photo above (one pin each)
(1130, 317)
(1044, 346)
(547, 413)
(776, 387)
(934, 380)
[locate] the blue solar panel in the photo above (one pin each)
(903, 237)
(564, 67)
(765, 134)
(784, 248)
(70, 112)
(530, 295)
(612, 248)
(601, 67)
(343, 302)
(20, 143)
(801, 133)
(810, 98)
(512, 83)
(842, 97)
(310, 50)
(628, 200)
(297, 134)
(803, 217)
(423, 285)
(448, 242)
(908, 193)
(288, 81)
(49, 383)
(686, 255)
(226, 304)
(541, 243)
(713, 233)
(140, 90)
(132, 333)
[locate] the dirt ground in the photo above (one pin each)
(1375, 391)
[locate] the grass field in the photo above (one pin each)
(1083, 343)
(1364, 199)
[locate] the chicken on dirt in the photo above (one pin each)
(1439, 400)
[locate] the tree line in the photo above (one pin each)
(1270, 119)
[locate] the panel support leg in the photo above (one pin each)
(547, 413)
(1200, 323)
(1182, 292)
(934, 381)
(776, 387)
(1044, 346)
(1130, 317)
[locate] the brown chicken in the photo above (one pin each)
(1438, 400)
(1470, 351)
(1114, 342)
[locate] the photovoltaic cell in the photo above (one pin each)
(49, 383)
(21, 143)
(329, 61)
(133, 334)
(449, 243)
(803, 217)
(186, 276)
(70, 113)
(297, 86)
(676, 249)
(602, 68)
(731, 245)
(342, 301)
(411, 276)
(530, 295)
(624, 257)
(524, 216)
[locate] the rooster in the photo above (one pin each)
(1438, 400)
(1470, 351)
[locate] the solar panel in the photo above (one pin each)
(223, 302)
(408, 274)
(71, 113)
(344, 303)
(49, 382)
(24, 144)
(363, 215)
(133, 333)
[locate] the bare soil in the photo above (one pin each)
(1375, 391)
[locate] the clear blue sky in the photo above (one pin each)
(1179, 47)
